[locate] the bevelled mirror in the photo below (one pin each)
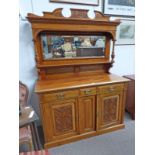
(58, 46)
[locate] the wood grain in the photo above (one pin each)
(77, 82)
(87, 114)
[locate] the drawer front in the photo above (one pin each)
(87, 91)
(110, 88)
(60, 95)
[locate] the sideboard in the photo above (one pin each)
(79, 97)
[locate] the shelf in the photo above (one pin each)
(71, 64)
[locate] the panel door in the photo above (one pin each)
(109, 109)
(61, 119)
(87, 114)
(64, 118)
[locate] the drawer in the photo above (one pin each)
(110, 88)
(59, 95)
(88, 91)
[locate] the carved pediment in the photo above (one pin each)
(76, 14)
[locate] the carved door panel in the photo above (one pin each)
(109, 109)
(87, 114)
(64, 118)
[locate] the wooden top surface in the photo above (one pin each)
(77, 82)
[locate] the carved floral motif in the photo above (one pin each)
(110, 109)
(63, 118)
(77, 13)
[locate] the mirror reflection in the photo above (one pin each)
(72, 46)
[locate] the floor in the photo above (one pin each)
(120, 142)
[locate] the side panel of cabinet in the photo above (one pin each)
(86, 114)
(46, 121)
(109, 109)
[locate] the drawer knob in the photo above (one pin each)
(87, 92)
(60, 96)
